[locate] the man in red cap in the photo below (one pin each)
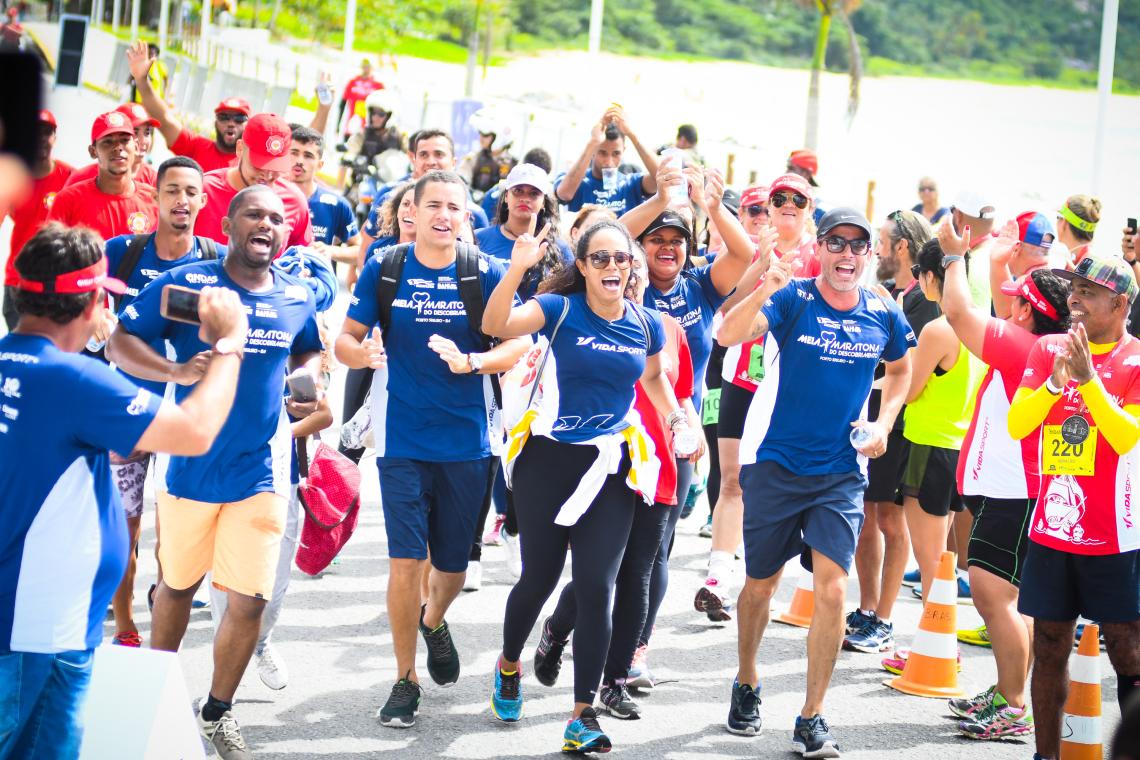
(230, 117)
(805, 163)
(1021, 246)
(144, 135)
(49, 177)
(113, 202)
(263, 156)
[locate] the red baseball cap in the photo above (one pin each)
(47, 117)
(110, 123)
(793, 182)
(241, 105)
(85, 280)
(137, 114)
(804, 159)
(757, 195)
(1027, 289)
(267, 138)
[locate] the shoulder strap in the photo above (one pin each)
(549, 348)
(644, 323)
(471, 288)
(391, 269)
(208, 247)
(131, 258)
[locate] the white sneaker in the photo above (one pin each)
(514, 554)
(225, 736)
(272, 669)
(473, 581)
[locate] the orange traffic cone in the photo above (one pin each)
(932, 667)
(803, 603)
(1080, 725)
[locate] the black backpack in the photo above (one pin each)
(135, 251)
(470, 292)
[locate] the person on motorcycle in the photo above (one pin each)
(486, 167)
(379, 134)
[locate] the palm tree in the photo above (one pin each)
(827, 8)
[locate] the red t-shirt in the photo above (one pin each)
(1086, 504)
(146, 174)
(29, 216)
(203, 150)
(679, 371)
(219, 193)
(84, 204)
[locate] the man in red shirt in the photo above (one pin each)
(30, 214)
(144, 135)
(263, 156)
(356, 92)
(229, 119)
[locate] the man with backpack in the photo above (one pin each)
(436, 423)
(136, 260)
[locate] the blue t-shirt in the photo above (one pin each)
(628, 195)
(150, 266)
(941, 212)
(490, 202)
(819, 364)
(597, 363)
(251, 454)
(332, 217)
(372, 223)
(64, 544)
(693, 302)
(421, 410)
(493, 242)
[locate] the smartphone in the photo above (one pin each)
(302, 385)
(1131, 225)
(180, 304)
(540, 222)
(21, 98)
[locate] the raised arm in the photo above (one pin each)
(730, 267)
(746, 321)
(638, 218)
(968, 322)
(1000, 253)
(569, 184)
(138, 59)
(501, 318)
(648, 157)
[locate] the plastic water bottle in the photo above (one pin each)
(610, 179)
(93, 345)
(685, 441)
(860, 435)
(678, 194)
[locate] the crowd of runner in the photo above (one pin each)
(573, 353)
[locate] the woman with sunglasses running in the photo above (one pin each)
(585, 460)
(790, 210)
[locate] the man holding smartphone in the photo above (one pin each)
(225, 511)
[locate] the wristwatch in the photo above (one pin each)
(476, 362)
(227, 345)
(948, 260)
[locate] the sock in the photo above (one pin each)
(720, 565)
(1125, 687)
(214, 708)
(866, 613)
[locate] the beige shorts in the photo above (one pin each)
(240, 541)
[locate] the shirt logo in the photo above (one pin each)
(201, 279)
(116, 119)
(11, 387)
(49, 199)
(296, 292)
(138, 222)
(274, 145)
(416, 282)
(1132, 361)
(585, 340)
(131, 312)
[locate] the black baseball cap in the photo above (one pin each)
(840, 216)
(668, 219)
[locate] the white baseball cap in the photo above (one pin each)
(975, 204)
(529, 174)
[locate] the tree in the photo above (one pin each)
(828, 8)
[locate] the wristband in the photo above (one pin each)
(1052, 388)
(948, 260)
(675, 416)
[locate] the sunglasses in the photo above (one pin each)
(236, 118)
(779, 199)
(836, 244)
(601, 259)
(757, 210)
(926, 188)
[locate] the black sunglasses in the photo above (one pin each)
(756, 210)
(836, 244)
(779, 199)
(601, 259)
(236, 118)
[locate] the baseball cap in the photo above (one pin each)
(731, 201)
(1027, 289)
(975, 204)
(529, 174)
(757, 195)
(110, 123)
(267, 138)
(1112, 273)
(137, 114)
(1034, 229)
(840, 216)
(47, 117)
(241, 105)
(793, 182)
(85, 280)
(807, 160)
(668, 218)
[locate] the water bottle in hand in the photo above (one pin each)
(860, 436)
(685, 441)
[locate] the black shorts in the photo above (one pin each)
(1000, 536)
(930, 477)
(1059, 586)
(734, 402)
(885, 474)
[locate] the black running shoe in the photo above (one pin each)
(548, 656)
(812, 738)
(744, 712)
(442, 656)
(617, 701)
(403, 703)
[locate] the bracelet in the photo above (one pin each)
(1052, 388)
(675, 416)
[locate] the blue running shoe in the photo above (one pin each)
(583, 734)
(875, 637)
(744, 710)
(964, 595)
(506, 699)
(857, 620)
(812, 738)
(913, 578)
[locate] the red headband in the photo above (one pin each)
(84, 280)
(1027, 289)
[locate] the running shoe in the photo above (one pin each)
(694, 493)
(812, 738)
(225, 736)
(548, 656)
(493, 537)
(514, 554)
(979, 637)
(968, 707)
(706, 529)
(744, 710)
(895, 663)
(857, 620)
(271, 669)
(875, 637)
(442, 656)
(583, 734)
(130, 639)
(639, 677)
(913, 578)
(473, 579)
(402, 705)
(964, 595)
(998, 721)
(617, 701)
(506, 699)
(712, 600)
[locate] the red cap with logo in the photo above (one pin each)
(241, 105)
(1027, 289)
(111, 123)
(805, 159)
(792, 182)
(757, 195)
(47, 117)
(267, 138)
(137, 114)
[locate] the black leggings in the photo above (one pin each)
(712, 490)
(659, 582)
(477, 547)
(545, 475)
(356, 385)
